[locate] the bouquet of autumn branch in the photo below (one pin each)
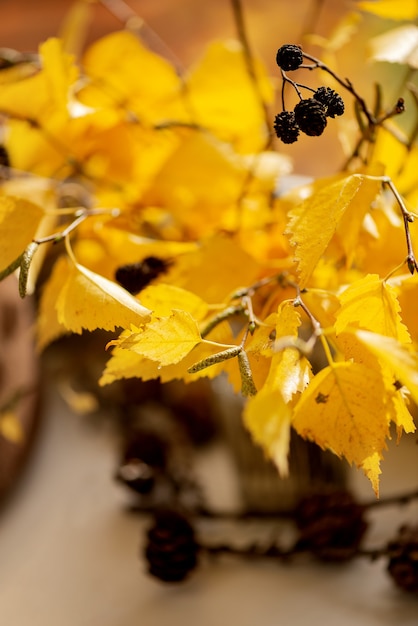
(161, 193)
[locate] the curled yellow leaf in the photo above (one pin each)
(268, 418)
(88, 301)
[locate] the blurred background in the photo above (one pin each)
(180, 29)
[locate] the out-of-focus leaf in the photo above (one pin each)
(392, 9)
(19, 221)
(371, 304)
(399, 45)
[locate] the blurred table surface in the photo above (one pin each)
(70, 552)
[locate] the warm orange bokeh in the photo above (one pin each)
(180, 29)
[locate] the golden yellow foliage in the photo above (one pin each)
(19, 221)
(299, 294)
(166, 340)
(392, 9)
(343, 410)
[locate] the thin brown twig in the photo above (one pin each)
(249, 58)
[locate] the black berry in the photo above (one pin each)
(331, 525)
(403, 562)
(310, 116)
(289, 57)
(332, 101)
(171, 550)
(286, 127)
(135, 276)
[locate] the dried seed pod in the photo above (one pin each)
(332, 101)
(289, 57)
(403, 562)
(285, 127)
(171, 550)
(331, 525)
(310, 117)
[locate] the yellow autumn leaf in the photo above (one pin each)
(289, 371)
(399, 358)
(215, 87)
(19, 221)
(163, 298)
(350, 345)
(313, 223)
(401, 415)
(129, 364)
(268, 417)
(352, 220)
(87, 301)
(401, 161)
(392, 9)
(399, 45)
(45, 93)
(124, 73)
(371, 304)
(218, 267)
(166, 340)
(343, 410)
(185, 184)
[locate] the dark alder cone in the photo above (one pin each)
(289, 57)
(331, 525)
(144, 456)
(285, 127)
(403, 562)
(310, 117)
(171, 549)
(135, 276)
(332, 101)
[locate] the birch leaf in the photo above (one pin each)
(268, 418)
(343, 409)
(166, 340)
(88, 301)
(399, 45)
(314, 222)
(357, 350)
(129, 364)
(392, 9)
(163, 298)
(19, 220)
(371, 303)
(218, 83)
(289, 371)
(400, 358)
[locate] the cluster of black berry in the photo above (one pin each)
(310, 114)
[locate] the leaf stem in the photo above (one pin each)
(407, 219)
(81, 215)
(346, 84)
